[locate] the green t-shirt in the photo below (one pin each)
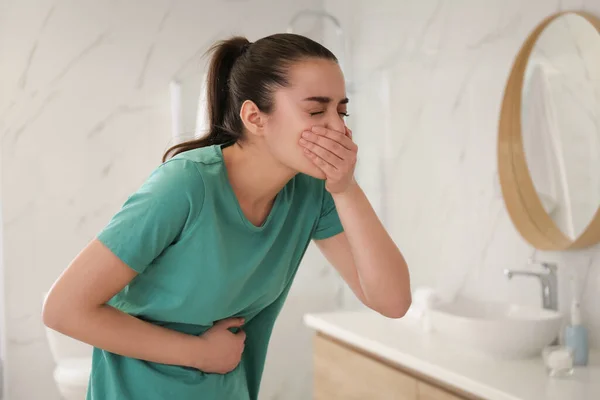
(200, 261)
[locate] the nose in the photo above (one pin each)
(336, 123)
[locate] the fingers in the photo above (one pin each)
(332, 151)
(342, 138)
(325, 166)
(329, 145)
(325, 148)
(231, 323)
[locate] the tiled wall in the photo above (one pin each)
(428, 83)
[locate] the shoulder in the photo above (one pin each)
(181, 177)
(202, 156)
(191, 164)
(175, 176)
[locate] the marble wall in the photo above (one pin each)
(428, 83)
(84, 117)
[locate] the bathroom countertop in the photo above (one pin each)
(404, 343)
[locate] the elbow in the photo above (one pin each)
(51, 315)
(395, 309)
(48, 314)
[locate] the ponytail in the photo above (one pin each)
(224, 55)
(240, 71)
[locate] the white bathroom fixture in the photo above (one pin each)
(501, 330)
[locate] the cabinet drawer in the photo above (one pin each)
(341, 373)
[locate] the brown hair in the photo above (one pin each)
(240, 71)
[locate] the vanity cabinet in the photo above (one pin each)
(344, 373)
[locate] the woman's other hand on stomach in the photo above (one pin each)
(220, 350)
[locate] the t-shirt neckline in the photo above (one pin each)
(234, 199)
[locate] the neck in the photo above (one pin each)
(254, 175)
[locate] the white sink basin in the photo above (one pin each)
(498, 329)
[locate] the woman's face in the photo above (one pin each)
(316, 96)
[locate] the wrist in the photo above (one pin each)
(351, 190)
(195, 352)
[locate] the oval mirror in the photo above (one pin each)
(549, 139)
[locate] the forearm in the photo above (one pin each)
(380, 266)
(110, 329)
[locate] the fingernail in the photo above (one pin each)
(306, 134)
(302, 141)
(316, 128)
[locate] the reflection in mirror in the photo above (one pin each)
(560, 119)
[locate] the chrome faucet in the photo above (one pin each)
(548, 281)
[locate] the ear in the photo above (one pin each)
(252, 118)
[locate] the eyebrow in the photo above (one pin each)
(325, 100)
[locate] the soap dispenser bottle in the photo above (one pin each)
(576, 336)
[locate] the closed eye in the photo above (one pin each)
(343, 114)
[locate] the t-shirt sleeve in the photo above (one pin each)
(155, 216)
(329, 223)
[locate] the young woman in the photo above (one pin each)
(179, 293)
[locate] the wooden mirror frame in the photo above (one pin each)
(522, 201)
